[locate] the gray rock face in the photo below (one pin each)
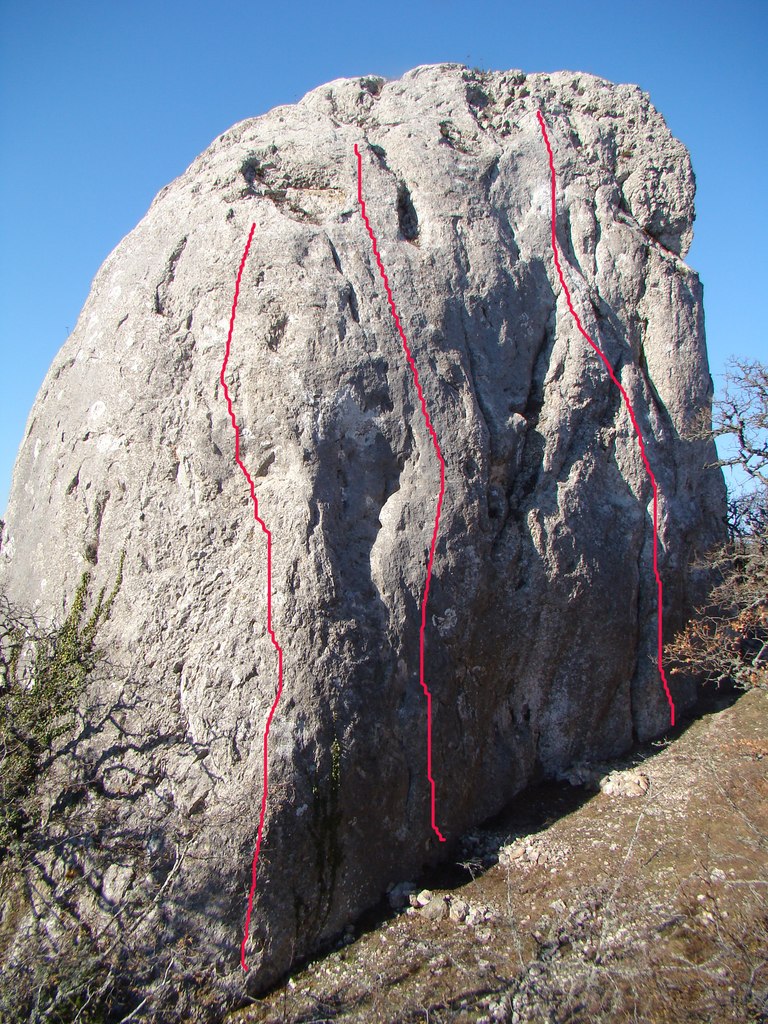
(541, 630)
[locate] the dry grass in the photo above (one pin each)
(651, 909)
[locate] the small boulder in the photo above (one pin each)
(436, 909)
(458, 910)
(422, 899)
(630, 783)
(399, 895)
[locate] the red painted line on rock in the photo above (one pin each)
(270, 630)
(441, 495)
(630, 410)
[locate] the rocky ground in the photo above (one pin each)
(633, 892)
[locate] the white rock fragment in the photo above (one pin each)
(631, 783)
(422, 898)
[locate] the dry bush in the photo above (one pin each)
(727, 641)
(86, 894)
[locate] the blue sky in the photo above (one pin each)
(101, 104)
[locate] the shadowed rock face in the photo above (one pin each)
(542, 617)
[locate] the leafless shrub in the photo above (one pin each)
(727, 641)
(86, 893)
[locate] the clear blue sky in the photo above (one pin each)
(103, 103)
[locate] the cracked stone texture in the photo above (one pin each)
(542, 614)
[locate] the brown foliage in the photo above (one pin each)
(727, 641)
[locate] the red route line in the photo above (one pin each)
(273, 638)
(630, 410)
(441, 495)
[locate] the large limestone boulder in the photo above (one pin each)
(541, 627)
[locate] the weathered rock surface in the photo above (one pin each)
(542, 625)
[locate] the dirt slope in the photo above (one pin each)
(648, 904)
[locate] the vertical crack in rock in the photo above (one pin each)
(92, 544)
(351, 297)
(161, 292)
(406, 214)
(335, 256)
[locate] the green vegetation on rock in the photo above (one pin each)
(42, 676)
